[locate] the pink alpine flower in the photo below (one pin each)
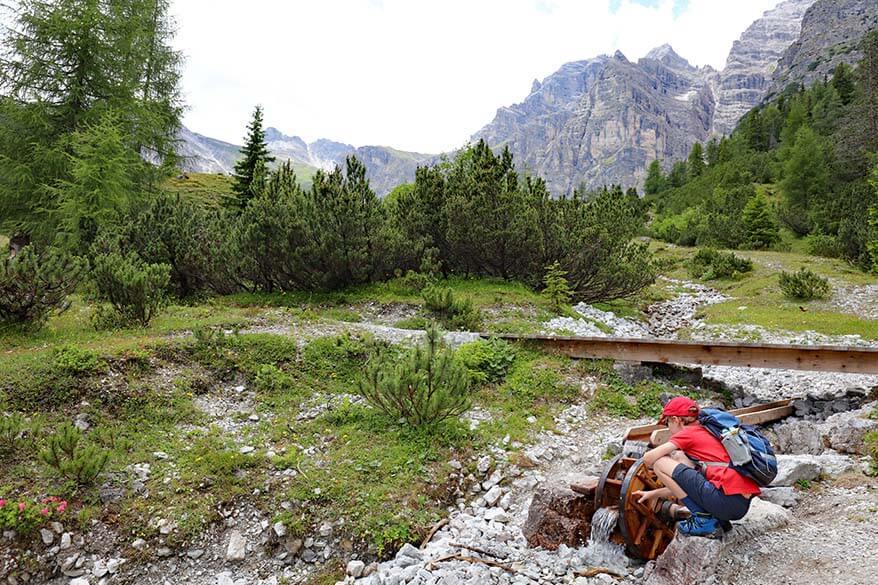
(62, 506)
(2, 502)
(21, 506)
(45, 512)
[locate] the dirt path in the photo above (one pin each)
(833, 538)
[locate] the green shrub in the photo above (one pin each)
(135, 290)
(70, 459)
(33, 284)
(71, 359)
(13, 432)
(557, 291)
(824, 245)
(486, 361)
(871, 443)
(710, 264)
(451, 311)
(804, 285)
(424, 387)
(271, 379)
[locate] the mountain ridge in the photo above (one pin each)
(602, 120)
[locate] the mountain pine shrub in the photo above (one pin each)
(427, 386)
(804, 285)
(135, 290)
(453, 312)
(710, 264)
(80, 464)
(34, 283)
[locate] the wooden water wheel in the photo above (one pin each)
(644, 533)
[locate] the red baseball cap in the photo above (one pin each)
(679, 406)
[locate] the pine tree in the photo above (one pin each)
(679, 174)
(843, 82)
(696, 161)
(805, 177)
(713, 151)
(251, 170)
(556, 290)
(759, 225)
(655, 179)
(65, 64)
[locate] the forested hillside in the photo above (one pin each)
(800, 166)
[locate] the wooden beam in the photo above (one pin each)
(819, 358)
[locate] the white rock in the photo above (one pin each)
(237, 549)
(246, 449)
(139, 544)
(65, 541)
(280, 530)
(355, 568)
(793, 468)
(224, 578)
(484, 464)
(80, 581)
(47, 535)
(496, 515)
(782, 496)
(410, 551)
(114, 564)
(99, 569)
(493, 495)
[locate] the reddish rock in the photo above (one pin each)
(558, 515)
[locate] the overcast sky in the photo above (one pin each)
(419, 75)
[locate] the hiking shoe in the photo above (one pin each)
(702, 525)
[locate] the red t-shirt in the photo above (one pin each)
(697, 442)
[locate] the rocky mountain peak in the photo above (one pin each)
(666, 55)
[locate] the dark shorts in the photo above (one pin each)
(708, 497)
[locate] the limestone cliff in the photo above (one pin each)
(831, 32)
(747, 75)
(602, 120)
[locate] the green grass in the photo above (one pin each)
(210, 189)
(388, 481)
(757, 299)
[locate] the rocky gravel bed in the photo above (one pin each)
(817, 391)
(861, 301)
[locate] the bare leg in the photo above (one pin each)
(664, 469)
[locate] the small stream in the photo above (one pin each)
(600, 551)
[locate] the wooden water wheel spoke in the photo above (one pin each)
(644, 531)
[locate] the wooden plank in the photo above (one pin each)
(856, 360)
(754, 418)
(643, 433)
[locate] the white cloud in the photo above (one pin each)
(414, 74)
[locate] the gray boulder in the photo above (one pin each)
(693, 560)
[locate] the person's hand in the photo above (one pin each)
(645, 496)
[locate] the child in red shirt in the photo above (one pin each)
(713, 495)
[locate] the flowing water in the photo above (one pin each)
(600, 551)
